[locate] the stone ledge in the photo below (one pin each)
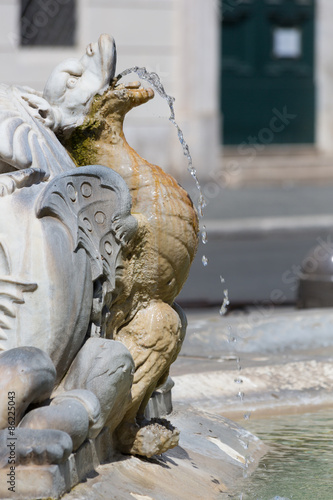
(275, 166)
(52, 481)
(268, 361)
(212, 457)
(260, 227)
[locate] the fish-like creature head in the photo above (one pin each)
(73, 83)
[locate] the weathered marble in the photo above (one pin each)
(209, 462)
(53, 480)
(145, 317)
(63, 238)
(91, 261)
(89, 266)
(73, 84)
(88, 118)
(53, 299)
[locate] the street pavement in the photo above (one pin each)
(256, 361)
(257, 241)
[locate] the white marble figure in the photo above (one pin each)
(62, 234)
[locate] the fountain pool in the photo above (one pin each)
(300, 461)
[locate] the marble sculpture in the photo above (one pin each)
(91, 260)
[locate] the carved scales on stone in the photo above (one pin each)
(93, 202)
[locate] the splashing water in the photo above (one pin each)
(225, 303)
(244, 444)
(231, 336)
(154, 80)
(204, 260)
(204, 237)
(241, 395)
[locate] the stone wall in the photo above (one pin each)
(179, 39)
(175, 38)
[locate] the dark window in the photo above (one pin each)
(48, 22)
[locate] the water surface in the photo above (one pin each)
(299, 465)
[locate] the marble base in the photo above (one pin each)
(210, 461)
(213, 456)
(52, 481)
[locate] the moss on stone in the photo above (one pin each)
(82, 142)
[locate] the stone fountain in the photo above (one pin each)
(91, 261)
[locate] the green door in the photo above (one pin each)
(268, 72)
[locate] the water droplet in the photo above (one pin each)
(204, 260)
(204, 238)
(238, 381)
(247, 416)
(231, 337)
(241, 395)
(222, 279)
(202, 202)
(225, 303)
(247, 463)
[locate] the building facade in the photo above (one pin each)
(178, 39)
(175, 38)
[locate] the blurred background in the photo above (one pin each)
(253, 82)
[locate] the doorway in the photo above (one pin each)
(268, 91)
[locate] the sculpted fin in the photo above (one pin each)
(94, 203)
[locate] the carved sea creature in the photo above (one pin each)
(144, 316)
(62, 234)
(87, 115)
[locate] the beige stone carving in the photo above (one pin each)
(144, 316)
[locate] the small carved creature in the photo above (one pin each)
(144, 316)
